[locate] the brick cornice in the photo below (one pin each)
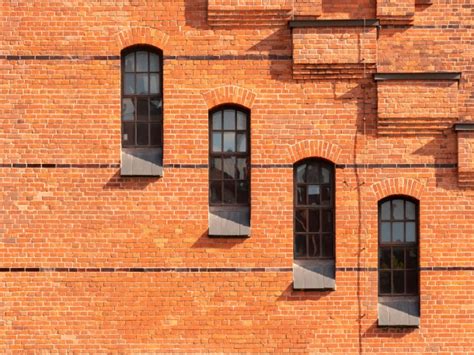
(313, 148)
(398, 186)
(141, 35)
(229, 94)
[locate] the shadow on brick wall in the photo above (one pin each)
(195, 14)
(289, 294)
(205, 242)
(117, 182)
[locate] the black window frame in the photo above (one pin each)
(307, 207)
(158, 136)
(222, 154)
(405, 246)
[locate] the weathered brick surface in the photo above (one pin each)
(396, 11)
(466, 159)
(66, 110)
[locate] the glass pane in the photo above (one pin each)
(154, 83)
(229, 141)
(328, 245)
(241, 142)
(154, 62)
(155, 109)
(300, 246)
(397, 231)
(142, 109)
(385, 258)
(314, 221)
(300, 173)
(142, 61)
(386, 211)
(410, 210)
(229, 168)
(410, 232)
(313, 195)
(398, 259)
(241, 120)
(128, 134)
(312, 176)
(142, 84)
(217, 120)
(412, 259)
(326, 222)
(229, 119)
(128, 110)
(325, 195)
(216, 191)
(326, 172)
(412, 282)
(300, 220)
(397, 206)
(301, 195)
(216, 168)
(385, 282)
(155, 134)
(129, 85)
(385, 232)
(241, 169)
(216, 142)
(142, 133)
(314, 246)
(242, 192)
(130, 62)
(229, 191)
(398, 282)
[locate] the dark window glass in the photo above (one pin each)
(229, 146)
(314, 208)
(398, 247)
(142, 101)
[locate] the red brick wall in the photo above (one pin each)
(63, 221)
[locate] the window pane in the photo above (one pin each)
(314, 246)
(300, 220)
(385, 259)
(155, 134)
(312, 175)
(326, 174)
(216, 142)
(142, 84)
(241, 142)
(412, 259)
(241, 120)
(301, 195)
(142, 61)
(410, 210)
(154, 62)
(129, 85)
(242, 192)
(217, 120)
(385, 282)
(229, 168)
(397, 231)
(128, 110)
(386, 211)
(216, 168)
(398, 282)
(300, 173)
(314, 221)
(410, 232)
(412, 282)
(326, 222)
(300, 246)
(130, 62)
(385, 232)
(398, 259)
(229, 119)
(154, 83)
(328, 245)
(325, 195)
(142, 109)
(155, 109)
(313, 195)
(216, 191)
(229, 191)
(397, 206)
(229, 141)
(142, 134)
(128, 134)
(241, 169)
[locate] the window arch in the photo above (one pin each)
(142, 97)
(314, 209)
(398, 246)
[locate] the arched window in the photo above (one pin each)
(142, 111)
(398, 247)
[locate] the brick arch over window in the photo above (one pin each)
(398, 186)
(140, 35)
(313, 149)
(229, 94)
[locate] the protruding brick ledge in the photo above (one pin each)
(465, 133)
